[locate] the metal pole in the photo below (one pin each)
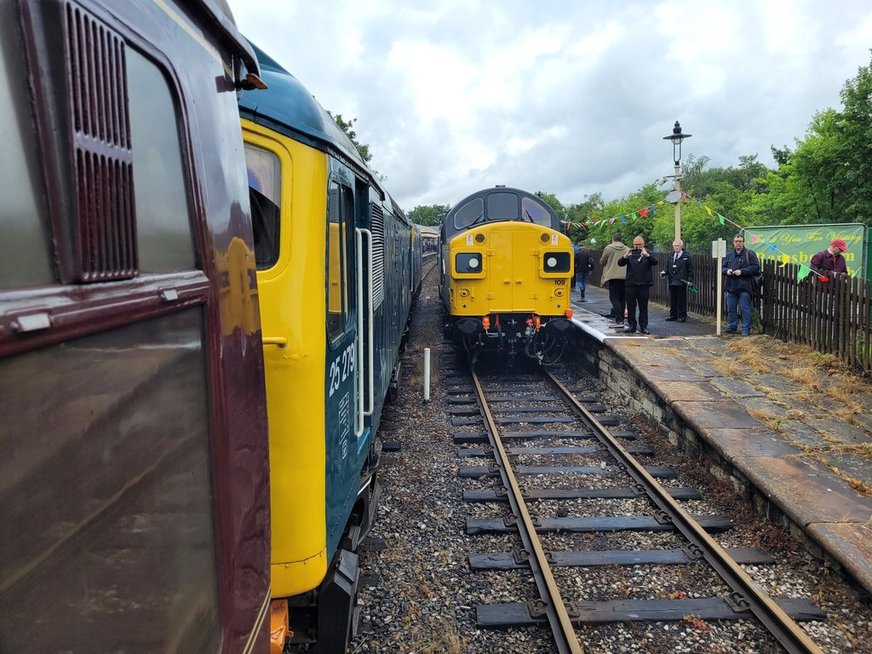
(678, 203)
(720, 287)
(426, 374)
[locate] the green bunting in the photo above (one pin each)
(803, 272)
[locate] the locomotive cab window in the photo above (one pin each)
(24, 259)
(502, 206)
(469, 213)
(264, 190)
(340, 211)
(163, 226)
(535, 212)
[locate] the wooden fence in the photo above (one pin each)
(833, 317)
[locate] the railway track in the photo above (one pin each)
(550, 452)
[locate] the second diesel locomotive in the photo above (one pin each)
(338, 265)
(505, 274)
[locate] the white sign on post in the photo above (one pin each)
(719, 251)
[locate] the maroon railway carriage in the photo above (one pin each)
(134, 491)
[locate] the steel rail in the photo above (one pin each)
(747, 594)
(558, 616)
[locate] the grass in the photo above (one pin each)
(824, 384)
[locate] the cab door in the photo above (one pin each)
(343, 385)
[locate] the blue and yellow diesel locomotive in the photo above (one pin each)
(338, 265)
(505, 272)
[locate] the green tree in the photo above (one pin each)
(430, 214)
(347, 126)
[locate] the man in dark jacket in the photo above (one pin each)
(640, 279)
(679, 273)
(739, 266)
(583, 266)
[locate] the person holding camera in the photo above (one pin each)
(640, 278)
(679, 274)
(739, 267)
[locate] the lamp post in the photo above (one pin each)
(677, 137)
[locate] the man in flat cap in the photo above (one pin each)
(830, 263)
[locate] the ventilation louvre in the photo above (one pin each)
(378, 256)
(104, 218)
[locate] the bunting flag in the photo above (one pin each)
(643, 212)
(803, 272)
(691, 286)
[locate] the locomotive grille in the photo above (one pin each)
(103, 160)
(378, 256)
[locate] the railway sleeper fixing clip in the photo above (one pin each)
(663, 518)
(737, 602)
(639, 489)
(538, 609)
(510, 521)
(694, 552)
(572, 611)
(521, 557)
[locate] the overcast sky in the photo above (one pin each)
(569, 97)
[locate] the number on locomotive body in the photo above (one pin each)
(340, 368)
(560, 282)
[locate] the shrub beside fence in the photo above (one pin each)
(833, 317)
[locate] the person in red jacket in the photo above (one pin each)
(830, 263)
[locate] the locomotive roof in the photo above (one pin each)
(288, 107)
(498, 204)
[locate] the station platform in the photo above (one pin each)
(793, 425)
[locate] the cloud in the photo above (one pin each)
(558, 96)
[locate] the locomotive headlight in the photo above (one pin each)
(556, 262)
(468, 262)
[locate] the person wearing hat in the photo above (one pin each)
(830, 262)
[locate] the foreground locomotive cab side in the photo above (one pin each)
(505, 275)
(134, 479)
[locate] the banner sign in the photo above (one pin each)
(799, 243)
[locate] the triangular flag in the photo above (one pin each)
(803, 272)
(623, 219)
(721, 219)
(785, 259)
(643, 212)
(708, 210)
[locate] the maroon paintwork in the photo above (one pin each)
(37, 323)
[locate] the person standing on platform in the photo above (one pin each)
(614, 276)
(739, 267)
(679, 274)
(583, 266)
(640, 279)
(830, 263)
